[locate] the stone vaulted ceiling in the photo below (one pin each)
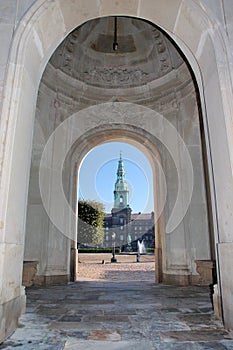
(144, 53)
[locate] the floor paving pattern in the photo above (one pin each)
(119, 315)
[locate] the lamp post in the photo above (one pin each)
(113, 259)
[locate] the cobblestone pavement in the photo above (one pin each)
(120, 313)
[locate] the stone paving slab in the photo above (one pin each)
(227, 343)
(194, 335)
(107, 318)
(191, 346)
(34, 345)
(81, 326)
(121, 311)
(107, 345)
(196, 321)
(118, 315)
(104, 335)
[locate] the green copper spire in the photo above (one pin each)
(121, 193)
(120, 170)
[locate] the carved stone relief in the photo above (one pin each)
(87, 55)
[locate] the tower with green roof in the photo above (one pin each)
(121, 212)
(121, 191)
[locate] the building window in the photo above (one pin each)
(121, 221)
(122, 227)
(121, 199)
(106, 228)
(140, 228)
(121, 237)
(135, 228)
(106, 237)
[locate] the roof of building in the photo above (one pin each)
(134, 216)
(141, 216)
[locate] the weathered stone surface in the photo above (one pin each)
(29, 272)
(154, 323)
(194, 336)
(70, 319)
(205, 270)
(203, 31)
(108, 318)
(108, 345)
(10, 313)
(104, 335)
(226, 259)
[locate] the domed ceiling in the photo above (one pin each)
(144, 53)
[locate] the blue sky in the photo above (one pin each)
(97, 176)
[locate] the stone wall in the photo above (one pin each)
(174, 98)
(202, 29)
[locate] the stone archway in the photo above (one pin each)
(139, 139)
(55, 91)
(200, 40)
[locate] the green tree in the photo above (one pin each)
(91, 222)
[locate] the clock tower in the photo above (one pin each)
(121, 192)
(121, 212)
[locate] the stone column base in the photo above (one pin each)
(158, 265)
(205, 272)
(204, 276)
(217, 303)
(73, 264)
(29, 273)
(31, 279)
(9, 316)
(55, 280)
(176, 280)
(225, 271)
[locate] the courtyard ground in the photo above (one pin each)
(99, 267)
(118, 307)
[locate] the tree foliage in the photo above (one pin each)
(91, 222)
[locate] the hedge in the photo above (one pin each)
(106, 250)
(98, 250)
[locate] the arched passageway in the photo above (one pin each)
(159, 115)
(30, 52)
(102, 167)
